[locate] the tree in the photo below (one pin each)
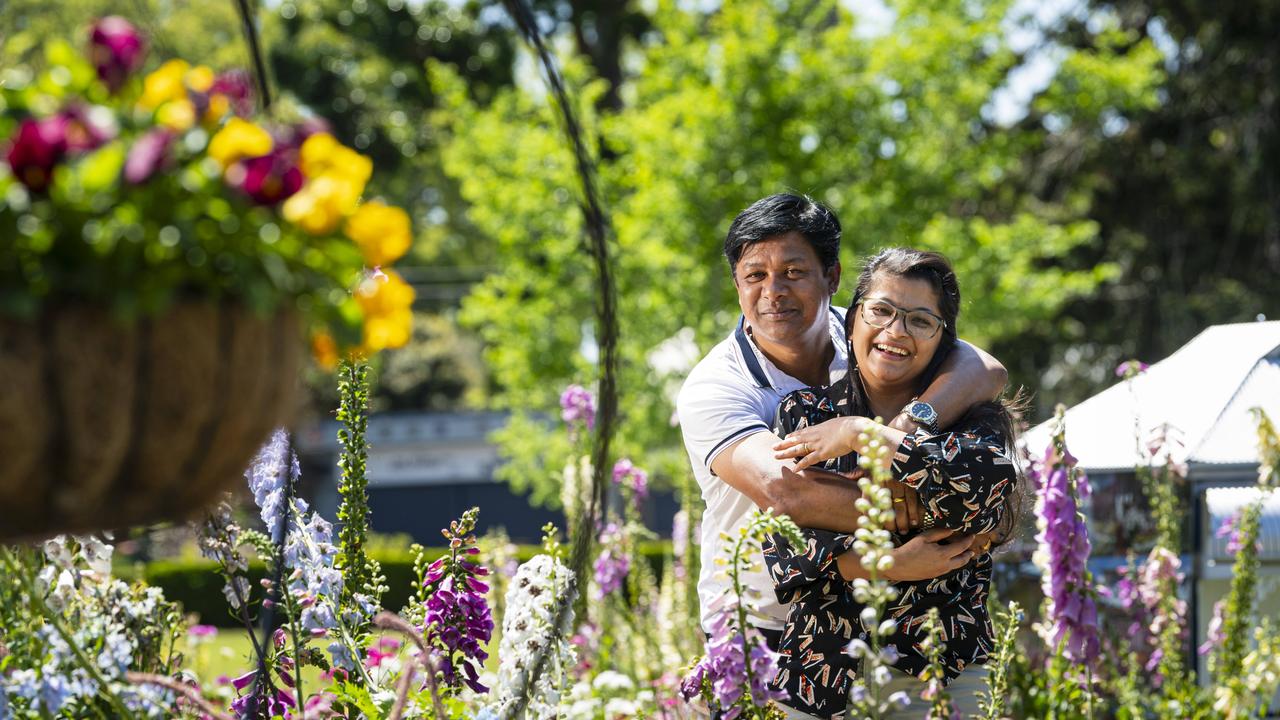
(1185, 191)
(753, 98)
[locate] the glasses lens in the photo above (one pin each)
(878, 313)
(920, 324)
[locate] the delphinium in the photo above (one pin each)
(457, 622)
(311, 598)
(734, 675)
(535, 634)
(874, 545)
(1004, 656)
(1070, 616)
(80, 637)
(578, 411)
(1227, 663)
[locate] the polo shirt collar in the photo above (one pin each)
(767, 375)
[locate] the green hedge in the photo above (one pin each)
(197, 586)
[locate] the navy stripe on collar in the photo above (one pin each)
(749, 355)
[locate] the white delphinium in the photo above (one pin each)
(542, 589)
(874, 545)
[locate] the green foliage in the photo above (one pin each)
(1004, 655)
(727, 107)
(360, 572)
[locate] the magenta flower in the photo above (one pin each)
(724, 669)
(1131, 368)
(202, 631)
(612, 566)
(38, 146)
(1230, 530)
(268, 179)
(578, 405)
(633, 478)
(236, 86)
(147, 156)
(1063, 555)
(116, 49)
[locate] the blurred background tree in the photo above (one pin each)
(1103, 174)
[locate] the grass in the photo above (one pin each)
(229, 654)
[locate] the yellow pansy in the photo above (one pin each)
(388, 316)
(200, 78)
(382, 232)
(321, 204)
(322, 154)
(178, 115)
(238, 139)
(165, 84)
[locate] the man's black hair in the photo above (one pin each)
(782, 214)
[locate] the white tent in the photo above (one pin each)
(1205, 391)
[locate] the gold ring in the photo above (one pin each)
(898, 499)
(804, 448)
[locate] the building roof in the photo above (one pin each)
(1205, 390)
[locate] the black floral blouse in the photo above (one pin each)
(963, 476)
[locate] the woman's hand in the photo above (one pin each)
(824, 441)
(924, 556)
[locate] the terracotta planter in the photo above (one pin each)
(104, 425)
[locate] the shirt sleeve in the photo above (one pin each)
(713, 415)
(791, 570)
(963, 476)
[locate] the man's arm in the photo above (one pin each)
(967, 377)
(812, 498)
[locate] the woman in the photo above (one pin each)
(901, 325)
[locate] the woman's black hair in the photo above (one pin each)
(1001, 416)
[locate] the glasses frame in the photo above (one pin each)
(900, 312)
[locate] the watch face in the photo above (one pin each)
(923, 412)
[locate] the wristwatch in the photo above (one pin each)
(923, 414)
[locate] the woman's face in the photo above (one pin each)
(891, 357)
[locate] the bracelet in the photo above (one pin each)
(927, 522)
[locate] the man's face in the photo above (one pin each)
(784, 292)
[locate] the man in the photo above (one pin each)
(784, 252)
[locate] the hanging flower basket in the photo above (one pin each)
(164, 258)
(112, 425)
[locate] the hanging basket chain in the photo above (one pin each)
(597, 226)
(255, 51)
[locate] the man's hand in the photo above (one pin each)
(907, 509)
(925, 556)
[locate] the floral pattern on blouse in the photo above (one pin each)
(963, 476)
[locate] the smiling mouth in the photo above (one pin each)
(891, 352)
(778, 314)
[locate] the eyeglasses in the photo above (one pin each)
(920, 324)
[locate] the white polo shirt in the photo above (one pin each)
(733, 393)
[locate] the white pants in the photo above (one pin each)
(964, 691)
